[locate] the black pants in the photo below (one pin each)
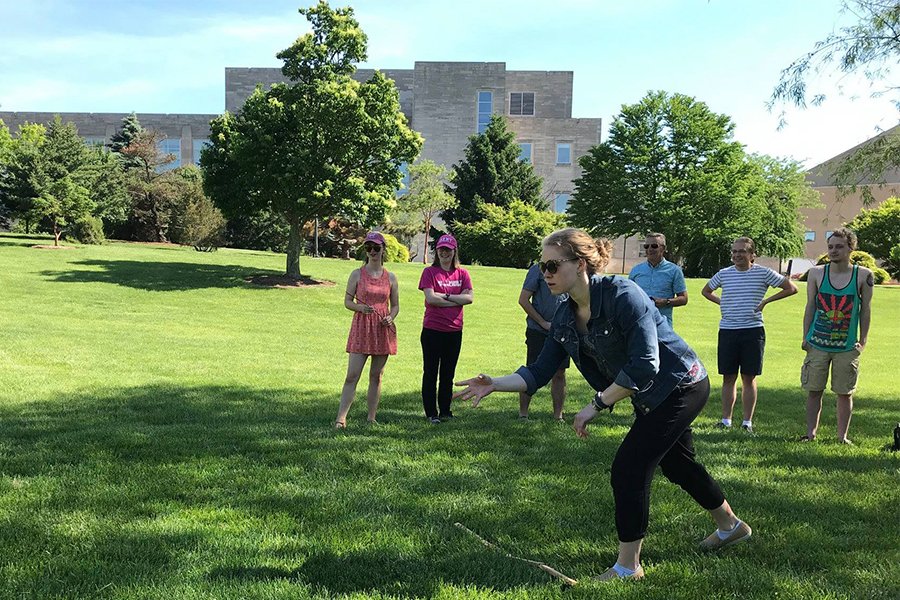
(440, 349)
(661, 437)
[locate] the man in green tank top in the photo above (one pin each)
(838, 299)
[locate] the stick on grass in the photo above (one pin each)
(543, 566)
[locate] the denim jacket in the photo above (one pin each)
(634, 344)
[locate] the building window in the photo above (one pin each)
(810, 236)
(404, 189)
(93, 142)
(198, 146)
(485, 108)
(564, 154)
(827, 235)
(168, 146)
(561, 203)
(525, 151)
(521, 104)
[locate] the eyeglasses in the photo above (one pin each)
(552, 265)
(654, 246)
(372, 247)
(739, 251)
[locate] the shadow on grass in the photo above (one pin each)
(221, 486)
(159, 276)
(25, 243)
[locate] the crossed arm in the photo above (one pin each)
(434, 299)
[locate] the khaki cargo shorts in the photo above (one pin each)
(844, 370)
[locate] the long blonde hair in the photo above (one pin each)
(577, 243)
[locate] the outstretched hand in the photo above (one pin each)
(475, 389)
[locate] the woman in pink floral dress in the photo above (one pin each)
(373, 296)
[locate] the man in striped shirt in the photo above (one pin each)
(742, 337)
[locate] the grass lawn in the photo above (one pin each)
(165, 433)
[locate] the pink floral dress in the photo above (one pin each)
(368, 335)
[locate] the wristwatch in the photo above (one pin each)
(598, 404)
(447, 296)
(668, 302)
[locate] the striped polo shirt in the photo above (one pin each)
(742, 291)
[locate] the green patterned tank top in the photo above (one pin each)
(835, 325)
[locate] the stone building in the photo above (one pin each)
(444, 101)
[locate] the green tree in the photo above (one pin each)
(6, 153)
(130, 130)
(426, 198)
(670, 165)
(195, 220)
(867, 49)
(17, 185)
(894, 263)
(104, 178)
(491, 173)
(784, 189)
(507, 236)
(878, 231)
(323, 145)
(52, 178)
(153, 189)
(262, 230)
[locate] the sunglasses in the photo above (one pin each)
(552, 265)
(372, 247)
(654, 246)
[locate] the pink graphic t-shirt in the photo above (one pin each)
(444, 318)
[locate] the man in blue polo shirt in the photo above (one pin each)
(662, 280)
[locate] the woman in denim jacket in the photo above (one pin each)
(625, 349)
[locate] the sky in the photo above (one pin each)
(168, 56)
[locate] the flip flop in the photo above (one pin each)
(340, 424)
(806, 438)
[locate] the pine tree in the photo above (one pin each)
(131, 129)
(492, 173)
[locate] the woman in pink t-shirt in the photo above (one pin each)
(373, 296)
(447, 289)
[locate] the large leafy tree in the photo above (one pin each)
(491, 173)
(868, 49)
(671, 165)
(322, 145)
(784, 189)
(426, 198)
(878, 232)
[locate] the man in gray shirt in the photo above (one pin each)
(540, 305)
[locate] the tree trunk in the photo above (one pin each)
(293, 249)
(56, 233)
(425, 247)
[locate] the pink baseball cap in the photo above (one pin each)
(446, 241)
(374, 236)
